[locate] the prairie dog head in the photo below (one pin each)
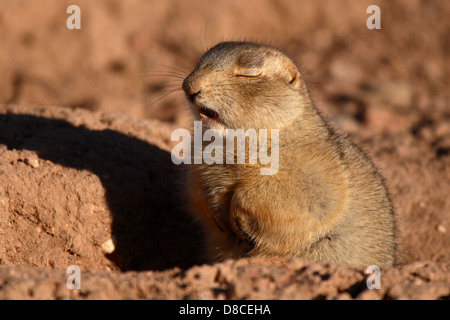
(242, 85)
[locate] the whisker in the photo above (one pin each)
(163, 95)
(177, 76)
(165, 73)
(180, 69)
(172, 85)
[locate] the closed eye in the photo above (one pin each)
(248, 73)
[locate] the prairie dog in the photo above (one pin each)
(327, 202)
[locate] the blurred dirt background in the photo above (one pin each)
(85, 122)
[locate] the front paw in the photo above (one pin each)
(243, 226)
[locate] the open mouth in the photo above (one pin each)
(206, 113)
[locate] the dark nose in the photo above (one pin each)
(190, 91)
(187, 85)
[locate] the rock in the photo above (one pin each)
(108, 246)
(32, 162)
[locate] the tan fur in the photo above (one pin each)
(326, 203)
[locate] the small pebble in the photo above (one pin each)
(441, 228)
(34, 163)
(108, 246)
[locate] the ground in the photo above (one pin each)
(86, 176)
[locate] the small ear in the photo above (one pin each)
(294, 75)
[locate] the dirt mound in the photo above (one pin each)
(86, 176)
(74, 180)
(243, 279)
